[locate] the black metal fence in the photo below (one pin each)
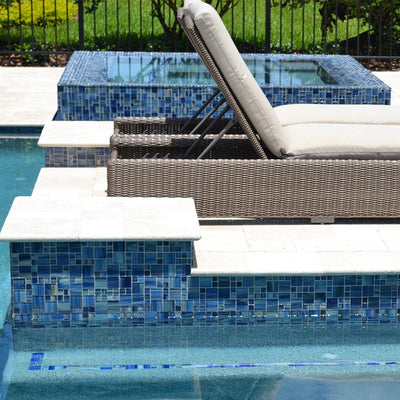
(42, 32)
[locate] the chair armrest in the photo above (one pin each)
(150, 140)
(124, 146)
(165, 126)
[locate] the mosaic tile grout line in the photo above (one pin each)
(36, 364)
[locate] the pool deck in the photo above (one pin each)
(28, 97)
(242, 248)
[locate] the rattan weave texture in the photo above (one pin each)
(231, 183)
(235, 185)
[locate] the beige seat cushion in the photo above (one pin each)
(235, 71)
(341, 141)
(338, 114)
(311, 131)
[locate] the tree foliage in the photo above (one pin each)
(165, 11)
(37, 12)
(381, 16)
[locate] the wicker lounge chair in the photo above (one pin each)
(258, 165)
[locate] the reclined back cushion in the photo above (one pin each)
(248, 93)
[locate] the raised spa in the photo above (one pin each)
(104, 85)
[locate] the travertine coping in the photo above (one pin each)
(298, 249)
(100, 218)
(76, 134)
(281, 249)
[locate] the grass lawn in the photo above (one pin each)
(128, 25)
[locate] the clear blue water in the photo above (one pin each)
(209, 363)
(20, 163)
(190, 70)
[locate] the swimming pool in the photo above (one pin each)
(235, 363)
(20, 163)
(315, 361)
(104, 85)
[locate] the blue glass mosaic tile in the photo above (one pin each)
(59, 157)
(85, 93)
(96, 283)
(83, 284)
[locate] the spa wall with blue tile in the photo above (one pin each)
(76, 156)
(98, 284)
(85, 91)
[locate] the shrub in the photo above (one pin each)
(381, 16)
(37, 12)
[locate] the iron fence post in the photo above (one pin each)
(81, 27)
(268, 26)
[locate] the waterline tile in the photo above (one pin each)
(85, 91)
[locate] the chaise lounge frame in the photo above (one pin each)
(237, 179)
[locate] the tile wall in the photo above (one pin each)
(81, 284)
(76, 156)
(98, 284)
(86, 93)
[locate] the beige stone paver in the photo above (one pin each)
(28, 95)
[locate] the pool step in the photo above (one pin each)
(76, 143)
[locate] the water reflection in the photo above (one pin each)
(191, 70)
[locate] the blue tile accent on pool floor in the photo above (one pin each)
(37, 360)
(85, 92)
(82, 284)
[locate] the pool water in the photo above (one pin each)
(186, 69)
(289, 362)
(212, 363)
(20, 163)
